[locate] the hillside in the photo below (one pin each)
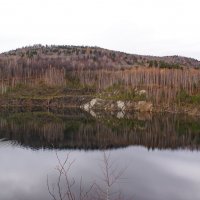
(73, 75)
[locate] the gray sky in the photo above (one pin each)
(153, 27)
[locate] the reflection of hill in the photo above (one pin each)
(75, 129)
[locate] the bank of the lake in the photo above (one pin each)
(92, 102)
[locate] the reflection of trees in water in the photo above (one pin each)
(44, 130)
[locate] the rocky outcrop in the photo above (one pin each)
(121, 105)
(111, 105)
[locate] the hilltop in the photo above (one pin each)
(92, 57)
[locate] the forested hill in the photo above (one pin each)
(70, 57)
(51, 72)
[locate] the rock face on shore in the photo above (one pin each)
(111, 105)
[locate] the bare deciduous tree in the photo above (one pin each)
(58, 192)
(64, 190)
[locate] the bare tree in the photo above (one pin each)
(58, 192)
(110, 176)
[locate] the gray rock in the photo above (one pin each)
(143, 106)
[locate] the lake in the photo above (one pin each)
(157, 156)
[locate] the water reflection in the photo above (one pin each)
(77, 129)
(161, 152)
(151, 175)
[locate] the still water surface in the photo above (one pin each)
(160, 154)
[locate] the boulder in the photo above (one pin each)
(142, 92)
(143, 106)
(121, 105)
(93, 104)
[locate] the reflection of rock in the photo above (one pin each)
(143, 116)
(120, 115)
(93, 113)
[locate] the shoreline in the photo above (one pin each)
(91, 104)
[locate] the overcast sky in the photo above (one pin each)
(153, 27)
